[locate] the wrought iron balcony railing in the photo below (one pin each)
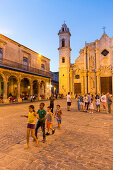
(15, 65)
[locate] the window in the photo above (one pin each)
(63, 42)
(63, 59)
(105, 52)
(1, 54)
(63, 29)
(25, 63)
(42, 67)
(77, 77)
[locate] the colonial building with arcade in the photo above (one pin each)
(23, 72)
(93, 69)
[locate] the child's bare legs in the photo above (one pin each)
(28, 133)
(34, 137)
(48, 130)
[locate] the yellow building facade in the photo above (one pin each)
(93, 69)
(23, 72)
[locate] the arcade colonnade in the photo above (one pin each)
(21, 85)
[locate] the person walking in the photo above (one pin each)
(41, 122)
(91, 106)
(69, 101)
(78, 102)
(58, 115)
(103, 100)
(52, 102)
(109, 102)
(49, 121)
(31, 125)
(89, 100)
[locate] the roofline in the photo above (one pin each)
(15, 42)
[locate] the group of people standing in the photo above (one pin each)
(91, 102)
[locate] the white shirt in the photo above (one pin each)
(68, 98)
(97, 101)
(103, 98)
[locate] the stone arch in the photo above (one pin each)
(42, 89)
(35, 87)
(12, 86)
(25, 88)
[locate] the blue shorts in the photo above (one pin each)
(59, 121)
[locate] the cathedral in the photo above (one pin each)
(93, 69)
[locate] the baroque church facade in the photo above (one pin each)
(93, 69)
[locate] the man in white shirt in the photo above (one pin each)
(68, 101)
(103, 100)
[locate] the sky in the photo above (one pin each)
(35, 23)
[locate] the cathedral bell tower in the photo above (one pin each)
(64, 59)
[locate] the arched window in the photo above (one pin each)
(1, 54)
(63, 29)
(63, 59)
(25, 63)
(42, 67)
(63, 42)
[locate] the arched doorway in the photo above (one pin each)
(25, 88)
(35, 88)
(42, 89)
(12, 87)
(1, 88)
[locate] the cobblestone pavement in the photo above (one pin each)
(85, 141)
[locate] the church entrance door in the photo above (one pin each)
(106, 84)
(77, 88)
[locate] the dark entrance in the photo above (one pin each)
(106, 84)
(77, 88)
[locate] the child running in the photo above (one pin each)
(91, 107)
(49, 122)
(31, 125)
(41, 122)
(58, 114)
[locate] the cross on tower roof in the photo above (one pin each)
(104, 29)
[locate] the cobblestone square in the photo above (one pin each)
(85, 141)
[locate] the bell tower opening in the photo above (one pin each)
(63, 42)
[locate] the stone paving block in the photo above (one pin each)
(18, 164)
(6, 161)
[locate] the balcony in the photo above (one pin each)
(8, 64)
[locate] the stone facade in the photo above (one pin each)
(22, 71)
(93, 69)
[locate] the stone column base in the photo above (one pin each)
(19, 100)
(6, 101)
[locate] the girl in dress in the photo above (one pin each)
(91, 106)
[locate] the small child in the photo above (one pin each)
(49, 121)
(91, 107)
(58, 114)
(98, 104)
(31, 125)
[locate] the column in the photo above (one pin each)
(0, 88)
(31, 88)
(18, 95)
(5, 100)
(45, 86)
(98, 84)
(39, 82)
(112, 83)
